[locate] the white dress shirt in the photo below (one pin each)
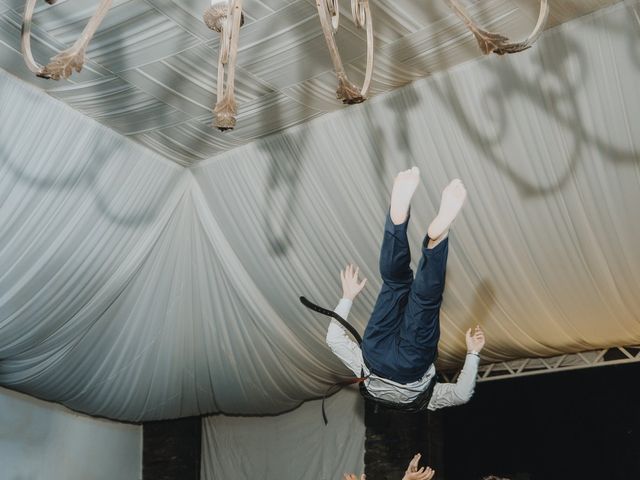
(444, 394)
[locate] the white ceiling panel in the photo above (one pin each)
(151, 66)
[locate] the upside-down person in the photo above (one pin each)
(400, 343)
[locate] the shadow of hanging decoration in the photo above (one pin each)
(556, 85)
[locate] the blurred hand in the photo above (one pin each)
(350, 285)
(415, 473)
(352, 476)
(475, 339)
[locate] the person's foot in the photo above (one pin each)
(453, 197)
(403, 189)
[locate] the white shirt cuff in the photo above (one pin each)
(343, 308)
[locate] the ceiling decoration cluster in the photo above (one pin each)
(149, 70)
(227, 18)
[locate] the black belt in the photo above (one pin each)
(336, 387)
(332, 314)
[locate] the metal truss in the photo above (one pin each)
(537, 366)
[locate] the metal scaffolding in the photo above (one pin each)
(561, 363)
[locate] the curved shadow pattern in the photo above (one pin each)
(402, 107)
(557, 84)
(281, 190)
(86, 176)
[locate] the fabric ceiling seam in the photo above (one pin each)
(247, 282)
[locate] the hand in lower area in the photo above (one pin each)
(415, 473)
(350, 285)
(475, 339)
(352, 476)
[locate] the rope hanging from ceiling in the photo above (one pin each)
(227, 17)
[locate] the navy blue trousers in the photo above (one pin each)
(401, 339)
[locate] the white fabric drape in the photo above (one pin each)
(294, 445)
(42, 441)
(136, 289)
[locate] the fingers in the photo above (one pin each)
(429, 473)
(350, 272)
(347, 271)
(411, 472)
(475, 339)
(423, 474)
(476, 333)
(363, 477)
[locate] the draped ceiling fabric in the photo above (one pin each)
(136, 289)
(151, 67)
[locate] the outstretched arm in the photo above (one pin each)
(338, 340)
(460, 392)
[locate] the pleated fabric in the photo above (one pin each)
(136, 289)
(294, 445)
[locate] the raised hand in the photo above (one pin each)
(352, 476)
(415, 473)
(475, 339)
(350, 285)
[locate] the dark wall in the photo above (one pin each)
(393, 437)
(577, 425)
(171, 449)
